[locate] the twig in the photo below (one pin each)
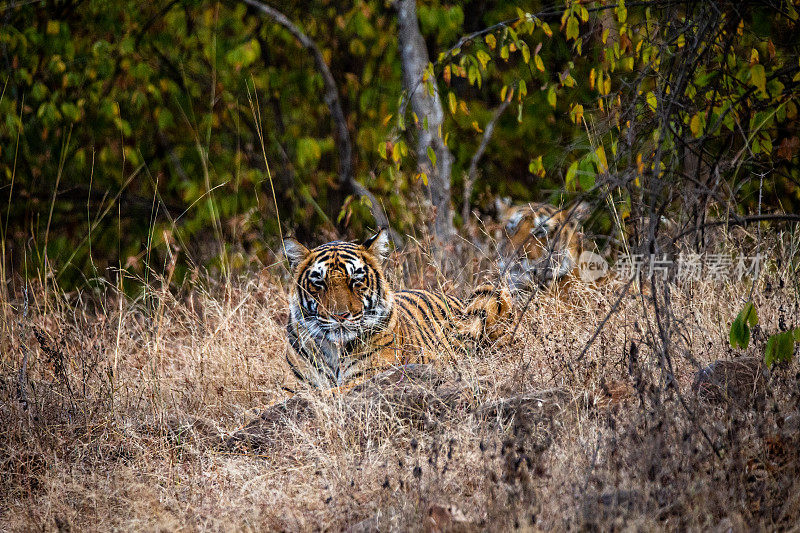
(473, 164)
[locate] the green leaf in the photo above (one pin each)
(759, 79)
(70, 111)
(536, 167)
(431, 155)
(780, 348)
(243, 55)
(572, 173)
(526, 53)
(308, 152)
(551, 96)
(740, 329)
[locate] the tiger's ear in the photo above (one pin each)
(378, 244)
(294, 251)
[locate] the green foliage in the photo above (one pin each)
(151, 118)
(740, 329)
(780, 347)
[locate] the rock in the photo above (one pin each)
(264, 429)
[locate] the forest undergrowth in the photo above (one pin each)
(123, 412)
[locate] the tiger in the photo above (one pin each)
(346, 323)
(541, 244)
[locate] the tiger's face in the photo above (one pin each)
(540, 242)
(339, 289)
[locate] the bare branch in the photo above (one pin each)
(331, 96)
(488, 131)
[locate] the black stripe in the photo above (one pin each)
(430, 335)
(411, 322)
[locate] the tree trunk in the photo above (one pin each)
(414, 60)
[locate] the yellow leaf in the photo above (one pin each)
(476, 127)
(694, 125)
(387, 119)
(537, 60)
(526, 54)
(52, 27)
(753, 56)
(576, 113)
(652, 101)
(463, 106)
(491, 41)
(503, 92)
(546, 29)
(573, 28)
(602, 161)
(452, 102)
(483, 57)
(592, 77)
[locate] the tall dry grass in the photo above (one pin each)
(123, 415)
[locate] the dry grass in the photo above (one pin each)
(128, 402)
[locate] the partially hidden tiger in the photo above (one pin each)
(540, 244)
(346, 322)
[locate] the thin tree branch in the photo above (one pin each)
(331, 97)
(488, 131)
